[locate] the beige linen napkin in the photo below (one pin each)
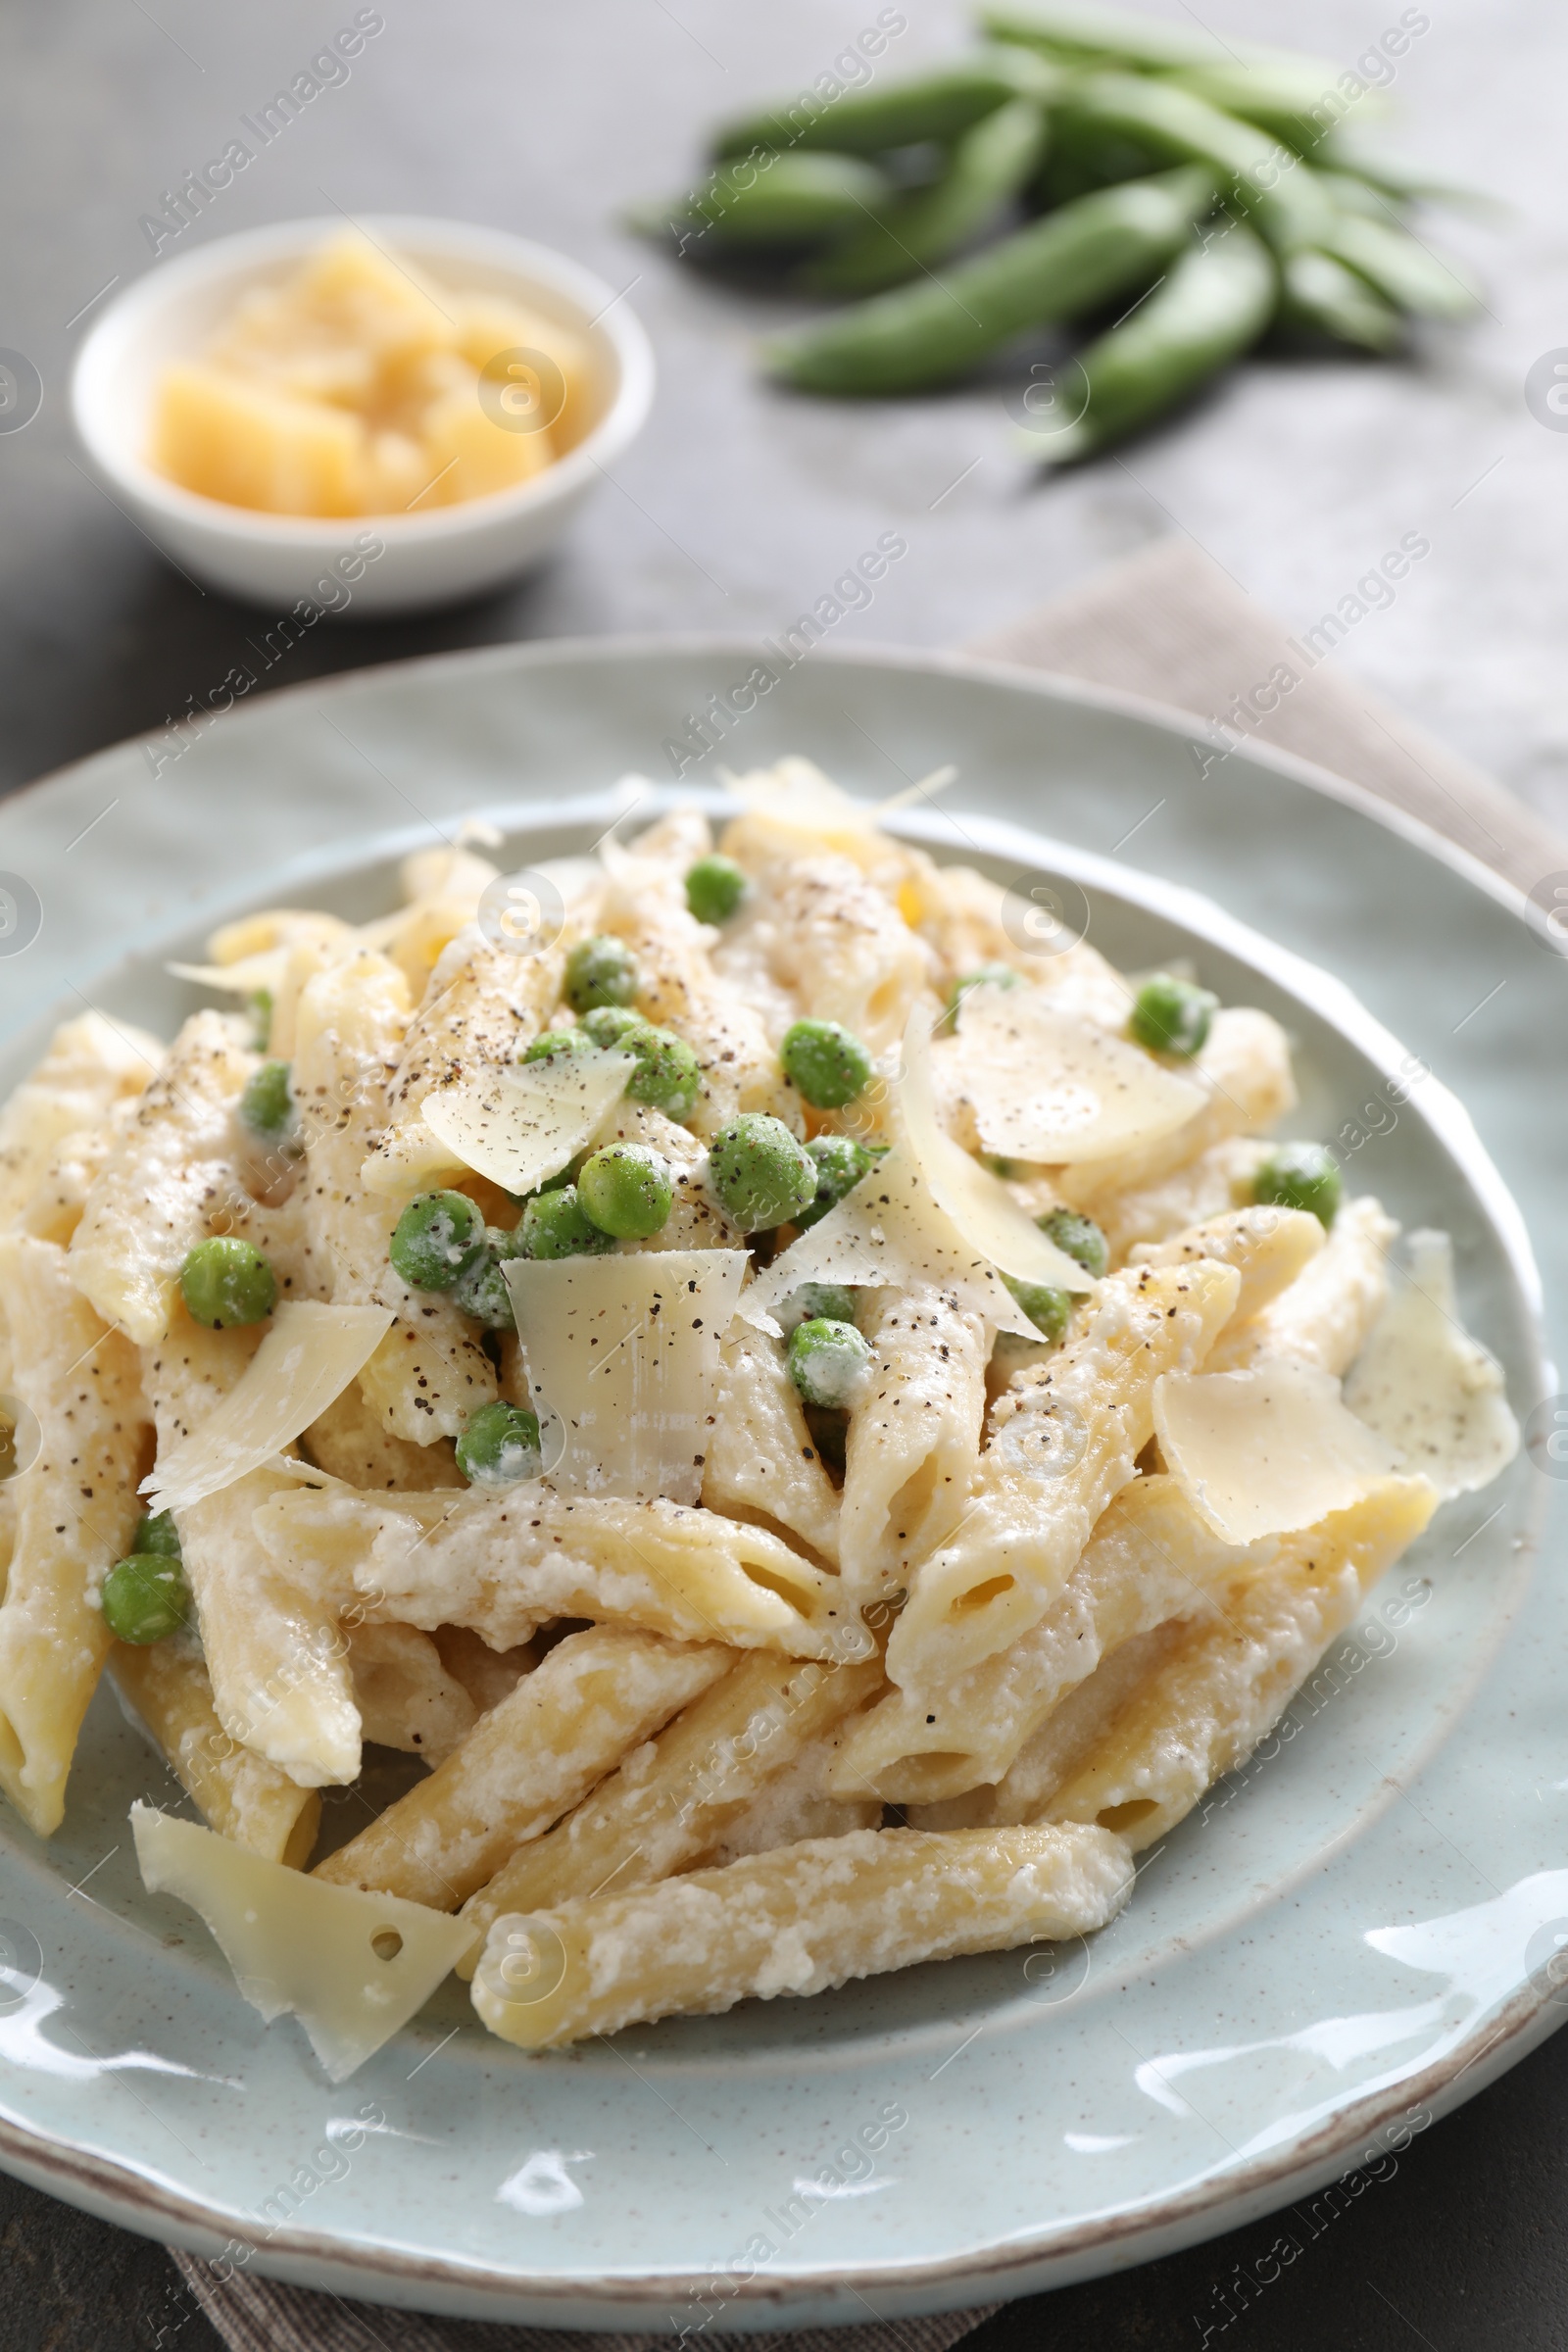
(1169, 625)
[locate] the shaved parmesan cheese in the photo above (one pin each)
(623, 1351)
(524, 1124)
(251, 972)
(304, 1364)
(351, 1967)
(979, 1205)
(1427, 1387)
(1050, 1087)
(889, 1233)
(795, 796)
(1266, 1452)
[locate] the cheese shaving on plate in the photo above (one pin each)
(1054, 1089)
(1426, 1385)
(623, 1352)
(1266, 1452)
(351, 1967)
(523, 1124)
(306, 1362)
(978, 1203)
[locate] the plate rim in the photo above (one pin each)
(1018, 2266)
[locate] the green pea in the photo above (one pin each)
(1105, 245)
(558, 1045)
(828, 1361)
(625, 1191)
(826, 1062)
(815, 1301)
(436, 1240)
(714, 888)
(985, 975)
(1077, 1237)
(602, 970)
(761, 1175)
(267, 1105)
(608, 1024)
(1048, 1310)
(225, 1281)
(145, 1598)
(499, 1446)
(554, 1226)
(259, 1005)
(158, 1536)
(668, 1074)
(1301, 1176)
(480, 1289)
(1172, 1016)
(840, 1163)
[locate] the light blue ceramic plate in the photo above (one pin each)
(1350, 1937)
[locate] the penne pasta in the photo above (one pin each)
(506, 1564)
(1325, 1315)
(92, 1066)
(1207, 1705)
(795, 1920)
(1268, 1246)
(762, 1463)
(676, 1797)
(242, 1795)
(525, 1764)
(1065, 1439)
(1150, 1559)
(913, 1446)
(430, 1375)
(75, 1507)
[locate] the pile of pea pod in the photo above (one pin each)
(1083, 164)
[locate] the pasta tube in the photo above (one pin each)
(1065, 1439)
(430, 1375)
(1205, 1709)
(1326, 1314)
(529, 1762)
(240, 1793)
(404, 1693)
(150, 1205)
(674, 1799)
(797, 1920)
(914, 1440)
(504, 1563)
(276, 1655)
(93, 1065)
(760, 1455)
(1268, 1246)
(76, 1508)
(1150, 1558)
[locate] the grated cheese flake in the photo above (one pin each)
(352, 1968)
(1051, 1088)
(520, 1125)
(1265, 1451)
(306, 1362)
(1427, 1387)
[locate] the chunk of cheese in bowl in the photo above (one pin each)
(357, 386)
(419, 407)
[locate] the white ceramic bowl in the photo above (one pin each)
(274, 560)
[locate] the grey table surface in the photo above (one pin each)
(738, 508)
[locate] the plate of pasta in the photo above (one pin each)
(770, 1536)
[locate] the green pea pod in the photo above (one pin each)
(1297, 100)
(770, 200)
(1081, 30)
(989, 165)
(1352, 193)
(940, 106)
(1263, 177)
(1400, 268)
(1214, 304)
(1397, 177)
(1089, 253)
(1322, 296)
